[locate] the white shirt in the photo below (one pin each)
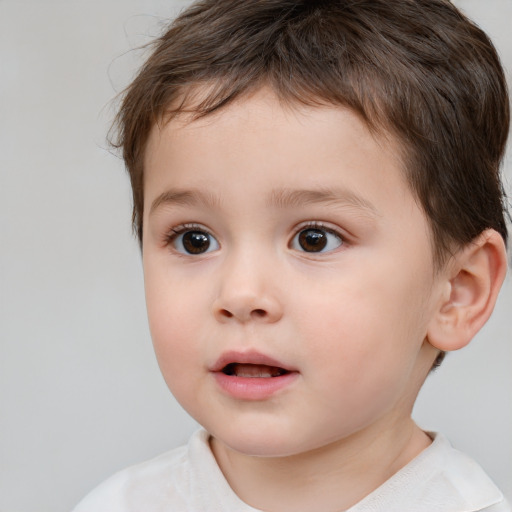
(188, 479)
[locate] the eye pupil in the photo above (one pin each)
(196, 242)
(312, 240)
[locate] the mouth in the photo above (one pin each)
(253, 371)
(252, 376)
(250, 364)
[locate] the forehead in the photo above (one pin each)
(259, 141)
(256, 118)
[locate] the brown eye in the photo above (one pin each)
(312, 240)
(316, 240)
(195, 242)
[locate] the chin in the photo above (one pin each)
(264, 442)
(261, 448)
(256, 442)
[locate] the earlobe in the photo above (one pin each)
(475, 276)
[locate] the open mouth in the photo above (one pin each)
(252, 376)
(253, 371)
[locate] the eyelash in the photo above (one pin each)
(315, 224)
(320, 226)
(174, 233)
(171, 237)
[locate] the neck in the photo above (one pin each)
(330, 478)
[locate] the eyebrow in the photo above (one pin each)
(279, 198)
(191, 197)
(289, 198)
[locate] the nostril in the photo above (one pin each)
(246, 311)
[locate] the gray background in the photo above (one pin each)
(80, 392)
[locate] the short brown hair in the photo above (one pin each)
(418, 69)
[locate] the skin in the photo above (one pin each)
(352, 321)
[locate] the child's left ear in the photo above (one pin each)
(473, 280)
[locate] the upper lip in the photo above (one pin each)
(248, 357)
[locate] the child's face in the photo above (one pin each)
(286, 240)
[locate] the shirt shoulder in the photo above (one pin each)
(187, 479)
(440, 478)
(123, 491)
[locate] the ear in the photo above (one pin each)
(472, 281)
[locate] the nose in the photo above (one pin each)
(248, 293)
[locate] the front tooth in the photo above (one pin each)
(254, 371)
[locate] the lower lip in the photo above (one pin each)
(254, 388)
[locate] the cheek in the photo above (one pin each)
(177, 353)
(367, 328)
(173, 325)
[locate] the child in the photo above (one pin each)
(317, 198)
